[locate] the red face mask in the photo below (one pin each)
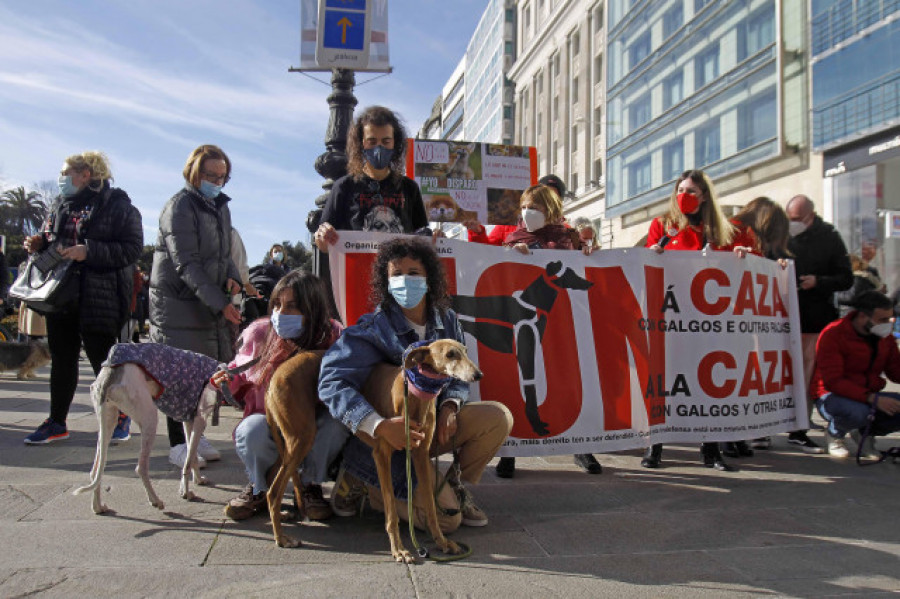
(687, 203)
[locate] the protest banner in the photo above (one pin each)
(618, 349)
(467, 180)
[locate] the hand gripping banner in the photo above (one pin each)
(619, 349)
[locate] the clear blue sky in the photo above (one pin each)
(146, 81)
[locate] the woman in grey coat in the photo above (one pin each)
(193, 275)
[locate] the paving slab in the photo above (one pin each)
(785, 525)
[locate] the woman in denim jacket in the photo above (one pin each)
(409, 287)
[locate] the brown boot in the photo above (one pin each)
(314, 505)
(246, 505)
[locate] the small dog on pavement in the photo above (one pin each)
(385, 389)
(138, 379)
(24, 357)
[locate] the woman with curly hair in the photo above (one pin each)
(374, 195)
(409, 288)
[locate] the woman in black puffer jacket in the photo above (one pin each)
(95, 225)
(193, 275)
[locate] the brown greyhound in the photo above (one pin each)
(291, 401)
(385, 390)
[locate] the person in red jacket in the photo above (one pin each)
(852, 355)
(498, 233)
(694, 221)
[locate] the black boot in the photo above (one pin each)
(712, 458)
(743, 449)
(730, 449)
(588, 463)
(653, 456)
(531, 412)
(506, 467)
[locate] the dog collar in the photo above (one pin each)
(423, 381)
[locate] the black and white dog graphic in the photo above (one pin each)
(518, 326)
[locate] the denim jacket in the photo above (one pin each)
(380, 336)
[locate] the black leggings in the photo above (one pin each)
(64, 337)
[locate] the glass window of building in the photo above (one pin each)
(706, 144)
(556, 63)
(673, 89)
(576, 43)
(757, 120)
(507, 112)
(706, 66)
(756, 33)
(673, 159)
(508, 48)
(639, 49)
(639, 176)
(639, 112)
(598, 121)
(510, 15)
(575, 90)
(672, 19)
(699, 4)
(598, 68)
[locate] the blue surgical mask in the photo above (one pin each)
(209, 190)
(287, 326)
(378, 157)
(278, 256)
(66, 187)
(408, 290)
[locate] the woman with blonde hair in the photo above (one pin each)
(542, 226)
(693, 222)
(96, 226)
(193, 276)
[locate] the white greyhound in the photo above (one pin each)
(128, 388)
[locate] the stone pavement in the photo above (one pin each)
(787, 524)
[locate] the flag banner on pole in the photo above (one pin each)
(619, 349)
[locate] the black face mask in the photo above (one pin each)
(695, 218)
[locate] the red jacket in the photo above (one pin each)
(495, 237)
(844, 362)
(690, 238)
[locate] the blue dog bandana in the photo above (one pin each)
(423, 381)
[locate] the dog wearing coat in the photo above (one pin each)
(24, 357)
(138, 379)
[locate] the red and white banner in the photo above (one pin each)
(619, 349)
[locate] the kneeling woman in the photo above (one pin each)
(298, 321)
(409, 287)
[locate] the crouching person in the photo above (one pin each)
(409, 287)
(298, 320)
(852, 354)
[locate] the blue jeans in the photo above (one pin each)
(256, 448)
(844, 415)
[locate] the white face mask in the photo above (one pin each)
(534, 219)
(882, 330)
(795, 227)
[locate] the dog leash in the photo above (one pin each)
(226, 391)
(420, 550)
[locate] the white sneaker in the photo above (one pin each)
(837, 448)
(868, 448)
(178, 454)
(207, 451)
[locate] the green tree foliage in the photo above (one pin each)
(24, 210)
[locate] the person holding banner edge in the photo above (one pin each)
(374, 195)
(693, 222)
(542, 227)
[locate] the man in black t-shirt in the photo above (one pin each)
(374, 195)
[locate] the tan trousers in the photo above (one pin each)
(481, 429)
